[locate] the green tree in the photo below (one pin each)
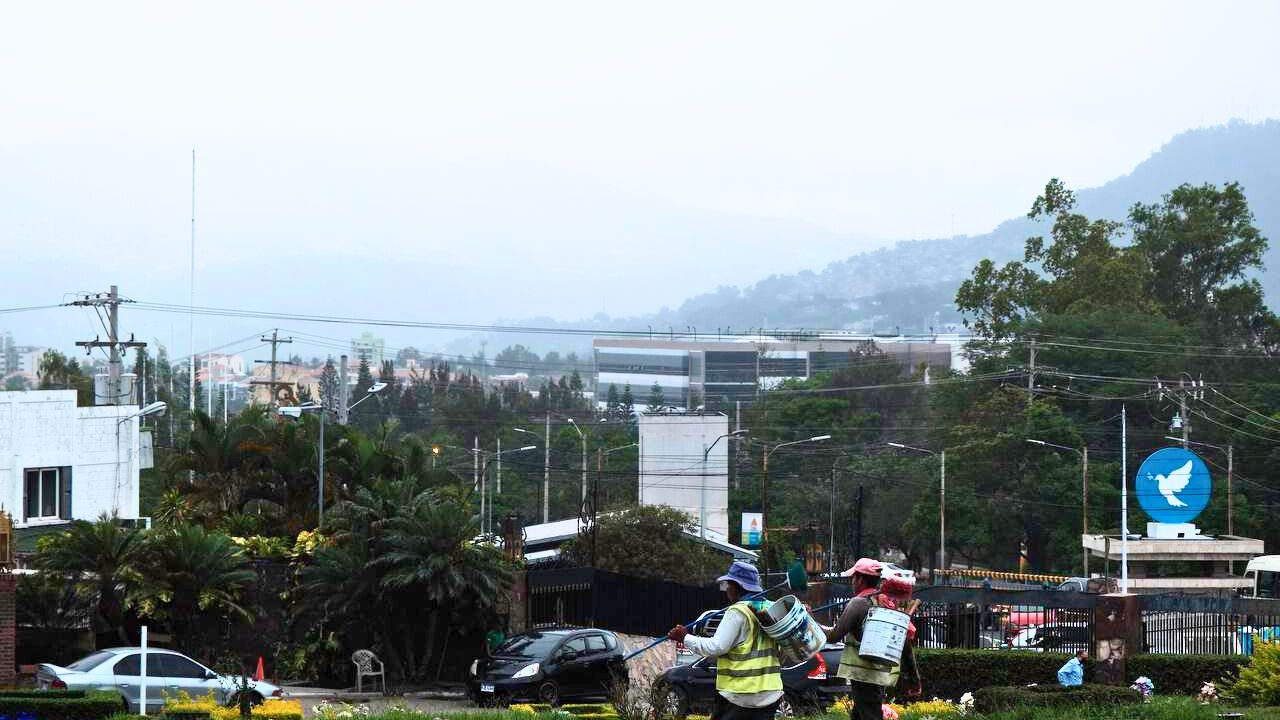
(56, 372)
(329, 385)
(192, 580)
(103, 555)
(613, 403)
(627, 405)
(364, 416)
(651, 541)
(656, 399)
(16, 383)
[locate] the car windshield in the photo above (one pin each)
(89, 662)
(529, 645)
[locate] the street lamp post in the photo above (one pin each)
(486, 506)
(942, 499)
(1083, 452)
(702, 507)
(764, 495)
(583, 437)
(296, 412)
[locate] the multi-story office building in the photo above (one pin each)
(716, 372)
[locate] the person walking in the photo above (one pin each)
(1071, 674)
(868, 680)
(748, 675)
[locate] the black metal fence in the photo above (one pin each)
(972, 618)
(1187, 624)
(586, 597)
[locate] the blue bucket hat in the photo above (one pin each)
(746, 575)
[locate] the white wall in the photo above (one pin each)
(44, 428)
(671, 470)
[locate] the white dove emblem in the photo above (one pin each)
(1173, 483)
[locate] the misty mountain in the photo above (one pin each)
(905, 285)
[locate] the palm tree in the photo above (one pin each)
(193, 576)
(431, 555)
(104, 554)
(224, 458)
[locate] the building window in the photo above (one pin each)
(44, 494)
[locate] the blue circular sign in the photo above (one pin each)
(1173, 485)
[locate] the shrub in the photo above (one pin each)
(951, 673)
(1182, 674)
(208, 707)
(68, 705)
(1257, 683)
(997, 699)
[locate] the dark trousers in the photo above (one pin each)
(725, 710)
(868, 700)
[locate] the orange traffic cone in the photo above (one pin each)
(259, 674)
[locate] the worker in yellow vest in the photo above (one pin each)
(748, 676)
(868, 680)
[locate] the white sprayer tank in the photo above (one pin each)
(798, 635)
(884, 635)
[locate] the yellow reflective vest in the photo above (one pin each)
(750, 666)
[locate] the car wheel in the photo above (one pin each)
(675, 702)
(549, 693)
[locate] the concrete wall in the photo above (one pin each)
(671, 468)
(44, 428)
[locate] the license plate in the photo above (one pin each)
(485, 687)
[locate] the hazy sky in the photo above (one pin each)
(569, 158)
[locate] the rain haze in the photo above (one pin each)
(471, 162)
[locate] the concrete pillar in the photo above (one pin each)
(1117, 628)
(8, 630)
(518, 613)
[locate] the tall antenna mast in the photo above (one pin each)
(191, 314)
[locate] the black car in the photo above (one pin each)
(548, 665)
(691, 685)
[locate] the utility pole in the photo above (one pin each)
(1124, 501)
(272, 384)
(342, 390)
(942, 511)
(111, 301)
(1084, 493)
(546, 473)
(1182, 413)
(857, 547)
(1031, 374)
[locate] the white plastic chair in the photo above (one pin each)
(368, 665)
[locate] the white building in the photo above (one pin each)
(59, 462)
(672, 469)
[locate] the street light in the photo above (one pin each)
(156, 408)
(764, 494)
(295, 411)
(486, 522)
(583, 437)
(519, 430)
(706, 452)
(1083, 452)
(942, 499)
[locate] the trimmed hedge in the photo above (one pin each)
(1183, 674)
(997, 699)
(32, 692)
(60, 706)
(951, 673)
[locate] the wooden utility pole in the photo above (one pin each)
(273, 383)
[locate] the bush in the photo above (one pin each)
(66, 705)
(997, 699)
(1183, 674)
(951, 673)
(1257, 683)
